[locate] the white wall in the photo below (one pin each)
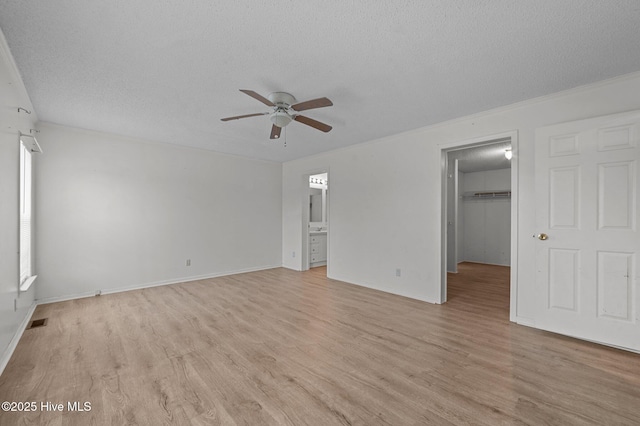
(487, 222)
(116, 213)
(379, 212)
(12, 96)
(385, 195)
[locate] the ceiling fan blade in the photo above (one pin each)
(261, 98)
(313, 123)
(314, 103)
(275, 132)
(243, 116)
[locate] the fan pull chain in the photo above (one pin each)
(285, 137)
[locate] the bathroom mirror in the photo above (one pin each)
(318, 187)
(316, 206)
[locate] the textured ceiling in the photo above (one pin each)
(168, 71)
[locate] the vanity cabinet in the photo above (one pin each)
(318, 249)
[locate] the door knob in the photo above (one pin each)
(542, 237)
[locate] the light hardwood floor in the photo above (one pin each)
(284, 347)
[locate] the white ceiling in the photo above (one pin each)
(168, 71)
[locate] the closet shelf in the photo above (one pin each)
(482, 195)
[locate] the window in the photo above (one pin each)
(26, 225)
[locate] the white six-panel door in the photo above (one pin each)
(587, 203)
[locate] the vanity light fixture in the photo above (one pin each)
(317, 180)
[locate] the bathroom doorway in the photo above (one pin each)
(318, 223)
(315, 220)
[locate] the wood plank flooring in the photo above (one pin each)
(280, 347)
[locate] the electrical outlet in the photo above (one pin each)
(293, 254)
(398, 272)
(188, 262)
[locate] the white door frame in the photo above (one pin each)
(468, 143)
(304, 250)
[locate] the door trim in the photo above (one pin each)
(468, 143)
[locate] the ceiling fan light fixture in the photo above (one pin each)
(280, 118)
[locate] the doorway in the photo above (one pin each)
(315, 232)
(479, 207)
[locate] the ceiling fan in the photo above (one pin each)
(284, 110)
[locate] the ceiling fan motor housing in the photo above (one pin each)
(283, 101)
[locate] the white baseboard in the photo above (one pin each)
(152, 284)
(291, 268)
(359, 284)
(6, 356)
(484, 263)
